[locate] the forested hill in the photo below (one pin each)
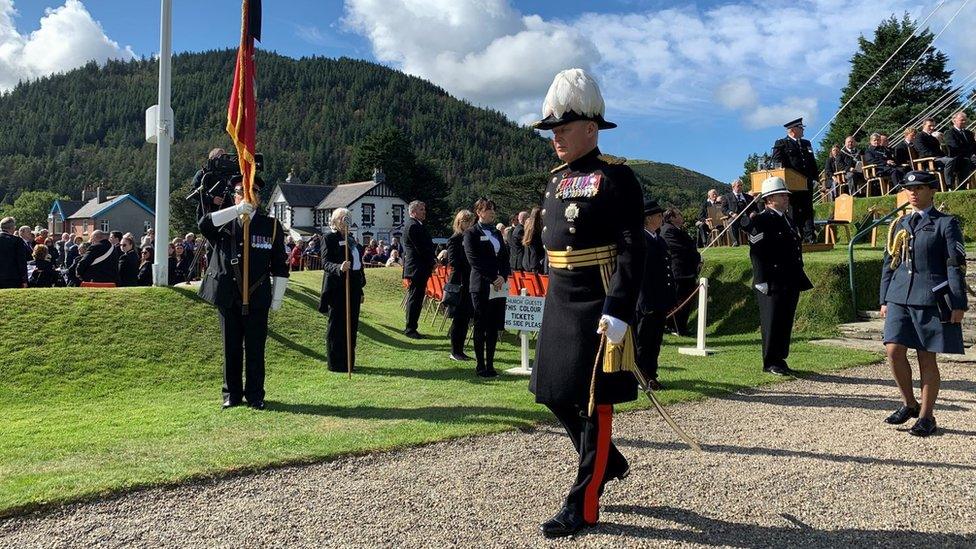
(86, 126)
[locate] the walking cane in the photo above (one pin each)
(348, 310)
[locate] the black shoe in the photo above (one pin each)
(413, 334)
(901, 415)
(460, 358)
(231, 402)
(620, 473)
(565, 523)
(654, 385)
(487, 373)
(779, 370)
(257, 405)
(924, 427)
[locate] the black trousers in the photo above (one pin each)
(335, 334)
(415, 300)
(776, 312)
(489, 318)
(599, 459)
(458, 331)
(957, 169)
(650, 333)
(683, 287)
(244, 339)
(802, 204)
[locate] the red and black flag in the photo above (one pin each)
(242, 109)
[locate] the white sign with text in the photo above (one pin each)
(524, 313)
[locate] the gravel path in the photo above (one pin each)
(807, 463)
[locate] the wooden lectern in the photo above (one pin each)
(795, 181)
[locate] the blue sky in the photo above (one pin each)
(701, 85)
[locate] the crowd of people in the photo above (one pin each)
(952, 153)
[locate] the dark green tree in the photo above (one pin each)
(390, 151)
(750, 165)
(925, 84)
(31, 207)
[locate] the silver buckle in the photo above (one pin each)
(235, 261)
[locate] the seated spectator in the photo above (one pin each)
(101, 262)
(905, 152)
(40, 271)
(41, 235)
(145, 275)
(176, 262)
(52, 251)
(369, 254)
(831, 168)
(190, 244)
(394, 259)
(879, 156)
(71, 251)
(382, 256)
(289, 244)
(711, 201)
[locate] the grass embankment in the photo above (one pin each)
(107, 390)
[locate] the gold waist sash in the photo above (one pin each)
(589, 257)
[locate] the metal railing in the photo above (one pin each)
(850, 247)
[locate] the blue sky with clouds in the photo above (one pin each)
(696, 84)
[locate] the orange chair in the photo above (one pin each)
(513, 285)
(98, 285)
(532, 285)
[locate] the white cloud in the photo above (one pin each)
(67, 38)
(765, 60)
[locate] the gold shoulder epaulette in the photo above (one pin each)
(559, 168)
(610, 159)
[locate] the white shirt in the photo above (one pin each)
(491, 237)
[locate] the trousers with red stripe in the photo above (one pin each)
(599, 459)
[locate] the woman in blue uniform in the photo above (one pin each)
(923, 298)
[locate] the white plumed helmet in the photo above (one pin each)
(573, 95)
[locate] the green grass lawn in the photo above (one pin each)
(107, 390)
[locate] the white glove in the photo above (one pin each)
(225, 216)
(763, 287)
(278, 286)
(614, 328)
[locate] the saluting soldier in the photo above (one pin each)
(796, 153)
(333, 298)
(657, 294)
(244, 326)
(592, 232)
(923, 298)
(777, 273)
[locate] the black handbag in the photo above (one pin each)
(452, 296)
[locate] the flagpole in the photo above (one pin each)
(164, 138)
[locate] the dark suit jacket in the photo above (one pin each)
(486, 264)
(535, 254)
(847, 159)
(927, 146)
(732, 206)
(703, 210)
(334, 280)
(70, 255)
(418, 250)
(685, 257)
(960, 143)
(657, 287)
(516, 250)
(796, 156)
(13, 262)
(129, 269)
(776, 253)
(100, 263)
(145, 276)
(904, 153)
(458, 261)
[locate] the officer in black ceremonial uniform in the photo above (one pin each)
(244, 326)
(592, 232)
(923, 298)
(657, 294)
(333, 299)
(795, 153)
(13, 264)
(777, 273)
(101, 262)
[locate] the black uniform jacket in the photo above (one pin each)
(904, 153)
(13, 263)
(927, 146)
(796, 156)
(657, 287)
(776, 253)
(222, 283)
(685, 257)
(334, 280)
(418, 250)
(100, 263)
(458, 261)
(486, 265)
(145, 277)
(934, 254)
(129, 269)
(960, 142)
(847, 159)
(516, 250)
(595, 201)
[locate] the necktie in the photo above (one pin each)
(913, 221)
